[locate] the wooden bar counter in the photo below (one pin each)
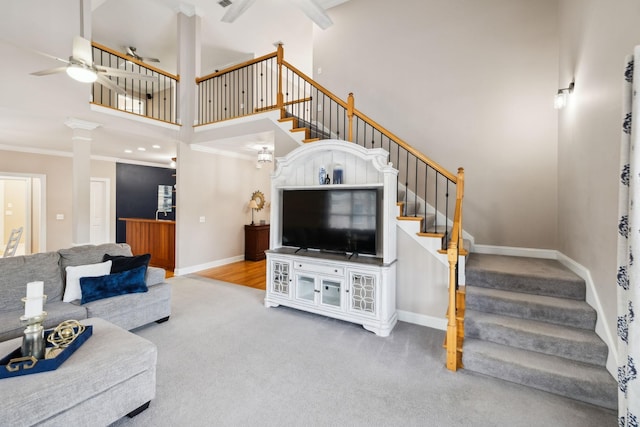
(157, 238)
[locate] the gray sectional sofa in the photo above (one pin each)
(128, 311)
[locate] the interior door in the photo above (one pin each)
(99, 211)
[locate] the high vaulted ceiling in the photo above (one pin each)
(33, 110)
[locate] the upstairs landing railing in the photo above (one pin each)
(151, 99)
(424, 187)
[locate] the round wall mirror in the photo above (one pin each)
(259, 198)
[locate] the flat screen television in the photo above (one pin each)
(339, 220)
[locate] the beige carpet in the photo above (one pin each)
(226, 360)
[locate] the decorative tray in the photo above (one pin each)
(14, 364)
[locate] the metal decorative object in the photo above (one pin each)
(33, 339)
(65, 333)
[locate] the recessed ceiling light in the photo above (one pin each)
(142, 149)
(156, 146)
(128, 151)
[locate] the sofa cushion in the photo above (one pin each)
(120, 263)
(72, 289)
(90, 254)
(134, 310)
(126, 282)
(16, 272)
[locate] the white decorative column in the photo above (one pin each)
(81, 181)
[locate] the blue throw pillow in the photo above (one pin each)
(127, 282)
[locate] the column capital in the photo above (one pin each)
(74, 123)
(81, 128)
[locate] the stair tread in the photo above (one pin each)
(531, 275)
(577, 380)
(537, 327)
(516, 304)
(578, 344)
(569, 304)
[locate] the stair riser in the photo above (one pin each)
(574, 388)
(581, 351)
(585, 319)
(508, 282)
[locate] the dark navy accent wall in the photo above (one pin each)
(137, 193)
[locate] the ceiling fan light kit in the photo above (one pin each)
(81, 73)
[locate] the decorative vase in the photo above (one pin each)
(337, 174)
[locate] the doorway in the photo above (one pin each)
(22, 198)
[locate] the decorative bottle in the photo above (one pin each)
(337, 174)
(322, 175)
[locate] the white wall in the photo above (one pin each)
(58, 172)
(595, 37)
(469, 83)
(217, 188)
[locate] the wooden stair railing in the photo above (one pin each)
(274, 84)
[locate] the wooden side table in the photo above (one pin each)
(256, 241)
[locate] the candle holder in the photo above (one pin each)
(33, 344)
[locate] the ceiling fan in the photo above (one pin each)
(80, 64)
(311, 8)
(131, 51)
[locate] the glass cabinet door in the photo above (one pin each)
(330, 292)
(280, 271)
(305, 288)
(363, 293)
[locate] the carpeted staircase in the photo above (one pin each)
(526, 321)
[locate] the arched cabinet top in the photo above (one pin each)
(360, 166)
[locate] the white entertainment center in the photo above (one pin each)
(348, 286)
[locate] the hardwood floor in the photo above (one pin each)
(246, 273)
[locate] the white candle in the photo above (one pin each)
(34, 301)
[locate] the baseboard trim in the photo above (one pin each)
(515, 251)
(195, 268)
(592, 298)
(422, 320)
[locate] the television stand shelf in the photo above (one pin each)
(359, 290)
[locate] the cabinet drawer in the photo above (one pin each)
(319, 268)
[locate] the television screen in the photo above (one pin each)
(331, 219)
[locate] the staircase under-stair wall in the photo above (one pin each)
(527, 321)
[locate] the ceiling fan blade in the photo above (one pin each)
(315, 12)
(150, 60)
(105, 81)
(49, 71)
(82, 50)
(109, 71)
(237, 8)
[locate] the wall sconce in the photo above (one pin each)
(253, 206)
(265, 155)
(562, 96)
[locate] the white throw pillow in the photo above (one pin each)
(72, 289)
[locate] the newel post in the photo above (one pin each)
(452, 326)
(280, 96)
(350, 108)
